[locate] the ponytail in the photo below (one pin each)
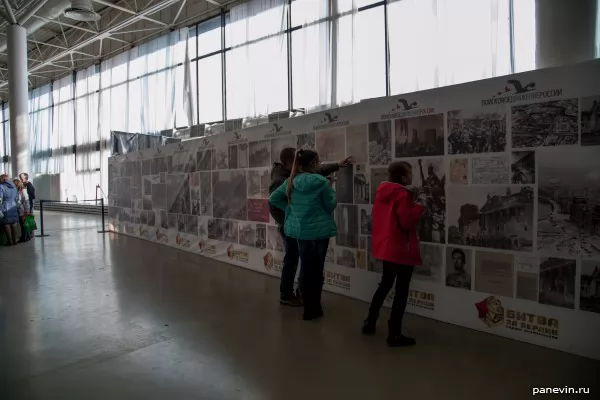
(295, 170)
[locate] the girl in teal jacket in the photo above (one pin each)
(308, 201)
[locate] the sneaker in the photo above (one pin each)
(292, 301)
(368, 327)
(400, 341)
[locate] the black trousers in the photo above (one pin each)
(402, 274)
(312, 258)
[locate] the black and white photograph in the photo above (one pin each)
(590, 121)
(181, 220)
(522, 167)
(280, 143)
(220, 158)
(233, 157)
(147, 184)
(253, 235)
(552, 123)
(557, 282)
(433, 260)
(164, 221)
(492, 170)
(259, 154)
(347, 224)
(306, 141)
(258, 183)
(183, 162)
(362, 242)
(459, 267)
(204, 160)
(346, 257)
(480, 130)
(419, 136)
(144, 217)
(380, 143)
(357, 144)
(274, 239)
(229, 195)
(569, 201)
(243, 155)
(191, 225)
(162, 164)
(216, 229)
(365, 219)
(497, 217)
(378, 176)
(206, 204)
(589, 295)
(361, 184)
(494, 273)
(172, 221)
(159, 196)
(331, 144)
(230, 231)
(429, 179)
(178, 194)
(202, 227)
(146, 203)
(147, 167)
(343, 184)
(151, 219)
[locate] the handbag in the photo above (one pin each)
(29, 224)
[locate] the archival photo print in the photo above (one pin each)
(229, 195)
(366, 213)
(259, 154)
(162, 164)
(191, 225)
(459, 171)
(527, 271)
(183, 162)
(206, 205)
(233, 157)
(274, 239)
(479, 130)
(178, 194)
(279, 144)
(590, 121)
(357, 144)
(258, 183)
(230, 231)
(589, 295)
(429, 179)
(552, 123)
(147, 167)
(346, 257)
(216, 229)
(522, 167)
(433, 259)
(243, 155)
(331, 144)
(164, 220)
(220, 159)
(253, 235)
(557, 282)
(204, 160)
(181, 223)
(343, 184)
(347, 223)
(494, 273)
(380, 143)
(420, 136)
(378, 176)
(459, 267)
(306, 141)
(497, 217)
(361, 184)
(258, 210)
(490, 170)
(569, 201)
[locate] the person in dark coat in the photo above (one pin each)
(279, 173)
(9, 214)
(30, 189)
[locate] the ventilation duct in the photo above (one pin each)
(82, 10)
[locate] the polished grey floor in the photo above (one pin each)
(92, 316)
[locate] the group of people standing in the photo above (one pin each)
(302, 201)
(16, 202)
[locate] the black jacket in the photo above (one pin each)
(30, 190)
(279, 175)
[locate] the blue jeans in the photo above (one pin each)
(312, 257)
(290, 265)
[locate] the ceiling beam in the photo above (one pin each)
(32, 11)
(9, 12)
(126, 10)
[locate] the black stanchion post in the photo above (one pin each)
(102, 212)
(42, 219)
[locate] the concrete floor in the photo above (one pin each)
(92, 316)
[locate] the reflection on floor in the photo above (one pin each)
(91, 316)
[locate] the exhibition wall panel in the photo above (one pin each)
(510, 167)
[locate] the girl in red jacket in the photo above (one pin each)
(396, 243)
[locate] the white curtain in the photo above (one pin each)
(63, 126)
(40, 128)
(311, 55)
(257, 64)
(443, 42)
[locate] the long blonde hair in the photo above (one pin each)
(302, 162)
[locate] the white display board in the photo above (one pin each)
(511, 167)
